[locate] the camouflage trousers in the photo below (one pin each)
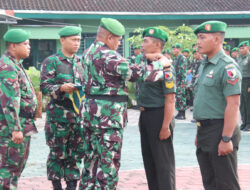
(180, 98)
(66, 150)
(189, 96)
(13, 158)
(103, 123)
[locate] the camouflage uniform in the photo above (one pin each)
(18, 105)
(180, 65)
(104, 114)
(62, 129)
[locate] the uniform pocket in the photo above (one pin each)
(208, 81)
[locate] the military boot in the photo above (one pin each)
(180, 115)
(71, 185)
(57, 185)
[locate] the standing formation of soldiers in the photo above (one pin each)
(219, 86)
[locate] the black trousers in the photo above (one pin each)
(245, 102)
(158, 156)
(218, 172)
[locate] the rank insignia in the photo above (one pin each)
(233, 82)
(169, 85)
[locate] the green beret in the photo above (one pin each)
(113, 25)
(70, 31)
(185, 50)
(155, 33)
(177, 45)
(235, 49)
(16, 36)
(210, 27)
(195, 50)
(244, 43)
(227, 47)
(137, 47)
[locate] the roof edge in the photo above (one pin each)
(131, 13)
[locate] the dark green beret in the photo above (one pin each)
(166, 51)
(155, 33)
(210, 27)
(137, 47)
(195, 50)
(244, 43)
(235, 49)
(177, 45)
(113, 25)
(70, 31)
(227, 47)
(16, 36)
(185, 50)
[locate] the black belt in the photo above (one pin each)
(117, 98)
(65, 103)
(207, 122)
(150, 109)
(27, 115)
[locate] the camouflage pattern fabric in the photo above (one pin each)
(180, 65)
(12, 162)
(18, 105)
(106, 73)
(62, 129)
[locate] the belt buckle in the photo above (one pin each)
(142, 109)
(198, 124)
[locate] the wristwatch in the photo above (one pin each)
(226, 139)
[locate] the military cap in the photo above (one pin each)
(227, 47)
(155, 33)
(16, 36)
(195, 50)
(185, 50)
(137, 47)
(166, 51)
(235, 49)
(70, 31)
(113, 25)
(210, 27)
(176, 45)
(244, 43)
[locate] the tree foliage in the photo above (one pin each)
(182, 34)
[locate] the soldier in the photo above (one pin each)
(186, 52)
(167, 53)
(104, 111)
(244, 63)
(227, 49)
(180, 65)
(18, 105)
(235, 54)
(137, 51)
(59, 75)
(216, 105)
(157, 101)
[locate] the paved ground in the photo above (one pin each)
(132, 175)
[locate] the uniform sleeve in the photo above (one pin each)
(10, 97)
(231, 81)
(169, 84)
(48, 85)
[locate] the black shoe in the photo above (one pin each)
(71, 185)
(180, 115)
(193, 121)
(57, 185)
(242, 127)
(247, 128)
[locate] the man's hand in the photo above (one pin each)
(225, 148)
(17, 137)
(68, 88)
(164, 133)
(154, 56)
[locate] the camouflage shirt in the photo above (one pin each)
(55, 71)
(106, 71)
(180, 65)
(18, 101)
